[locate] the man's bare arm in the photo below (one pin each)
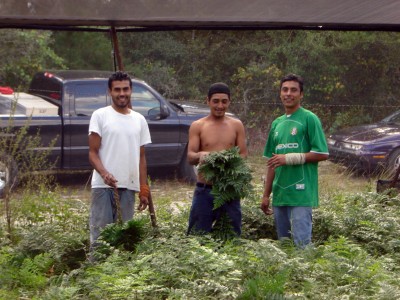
(95, 161)
(241, 139)
(194, 155)
(142, 167)
(143, 179)
(265, 202)
(316, 157)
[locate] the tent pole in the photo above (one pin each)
(117, 54)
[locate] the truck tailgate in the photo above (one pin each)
(26, 104)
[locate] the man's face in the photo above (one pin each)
(120, 93)
(291, 95)
(218, 104)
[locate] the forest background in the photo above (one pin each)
(351, 77)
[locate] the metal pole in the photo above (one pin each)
(117, 54)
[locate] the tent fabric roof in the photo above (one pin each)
(176, 14)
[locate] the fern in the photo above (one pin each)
(223, 229)
(230, 175)
(126, 235)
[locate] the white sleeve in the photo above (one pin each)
(95, 123)
(145, 137)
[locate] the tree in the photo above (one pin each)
(84, 50)
(23, 53)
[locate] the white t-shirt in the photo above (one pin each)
(121, 139)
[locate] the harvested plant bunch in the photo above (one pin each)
(229, 175)
(127, 234)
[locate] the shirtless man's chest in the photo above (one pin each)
(217, 136)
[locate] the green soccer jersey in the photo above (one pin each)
(301, 132)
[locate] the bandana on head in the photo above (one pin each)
(218, 87)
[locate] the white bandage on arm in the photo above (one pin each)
(295, 158)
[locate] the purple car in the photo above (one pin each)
(368, 148)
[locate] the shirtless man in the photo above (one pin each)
(216, 132)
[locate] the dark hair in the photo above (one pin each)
(119, 76)
(293, 77)
(218, 87)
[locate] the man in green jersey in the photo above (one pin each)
(295, 145)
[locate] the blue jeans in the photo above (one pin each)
(203, 216)
(294, 222)
(103, 210)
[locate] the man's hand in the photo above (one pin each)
(144, 201)
(109, 179)
(276, 160)
(202, 156)
(265, 206)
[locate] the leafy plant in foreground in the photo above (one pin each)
(265, 287)
(127, 234)
(229, 174)
(19, 271)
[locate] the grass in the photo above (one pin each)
(167, 188)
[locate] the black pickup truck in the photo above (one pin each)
(60, 103)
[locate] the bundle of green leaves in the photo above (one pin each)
(229, 174)
(124, 234)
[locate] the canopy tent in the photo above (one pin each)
(201, 14)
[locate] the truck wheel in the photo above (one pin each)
(8, 172)
(187, 172)
(393, 163)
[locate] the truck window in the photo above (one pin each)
(143, 101)
(89, 97)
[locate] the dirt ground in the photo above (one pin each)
(165, 184)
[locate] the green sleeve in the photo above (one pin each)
(317, 136)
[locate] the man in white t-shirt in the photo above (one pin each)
(117, 136)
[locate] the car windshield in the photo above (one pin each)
(392, 119)
(175, 106)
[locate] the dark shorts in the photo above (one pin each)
(203, 217)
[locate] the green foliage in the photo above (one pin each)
(45, 226)
(126, 235)
(369, 219)
(342, 70)
(265, 287)
(24, 53)
(223, 229)
(351, 117)
(17, 271)
(175, 268)
(95, 55)
(355, 254)
(255, 225)
(230, 175)
(164, 60)
(256, 98)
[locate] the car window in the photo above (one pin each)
(395, 119)
(144, 102)
(89, 97)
